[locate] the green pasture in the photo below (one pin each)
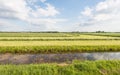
(76, 68)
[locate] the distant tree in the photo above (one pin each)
(100, 32)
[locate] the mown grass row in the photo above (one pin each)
(80, 37)
(58, 46)
(104, 34)
(54, 36)
(28, 34)
(76, 68)
(52, 39)
(60, 34)
(61, 43)
(57, 49)
(75, 38)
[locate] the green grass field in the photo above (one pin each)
(44, 43)
(104, 34)
(76, 68)
(57, 43)
(73, 38)
(53, 37)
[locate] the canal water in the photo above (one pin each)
(56, 58)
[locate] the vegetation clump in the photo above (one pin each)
(76, 68)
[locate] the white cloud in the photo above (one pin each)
(7, 25)
(104, 16)
(43, 1)
(28, 11)
(87, 11)
(13, 9)
(46, 12)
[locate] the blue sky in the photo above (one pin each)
(72, 8)
(60, 15)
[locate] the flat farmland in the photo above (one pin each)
(57, 43)
(60, 43)
(22, 45)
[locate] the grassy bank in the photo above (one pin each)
(76, 68)
(58, 49)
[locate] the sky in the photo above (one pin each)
(60, 15)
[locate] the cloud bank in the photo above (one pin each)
(28, 12)
(104, 16)
(40, 15)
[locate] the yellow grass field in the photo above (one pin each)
(59, 43)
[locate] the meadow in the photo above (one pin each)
(56, 42)
(76, 68)
(58, 46)
(111, 34)
(52, 37)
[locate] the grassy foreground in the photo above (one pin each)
(76, 68)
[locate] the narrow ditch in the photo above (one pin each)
(55, 58)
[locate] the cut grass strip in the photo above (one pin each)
(61, 43)
(58, 46)
(57, 49)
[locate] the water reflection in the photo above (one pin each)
(58, 58)
(102, 56)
